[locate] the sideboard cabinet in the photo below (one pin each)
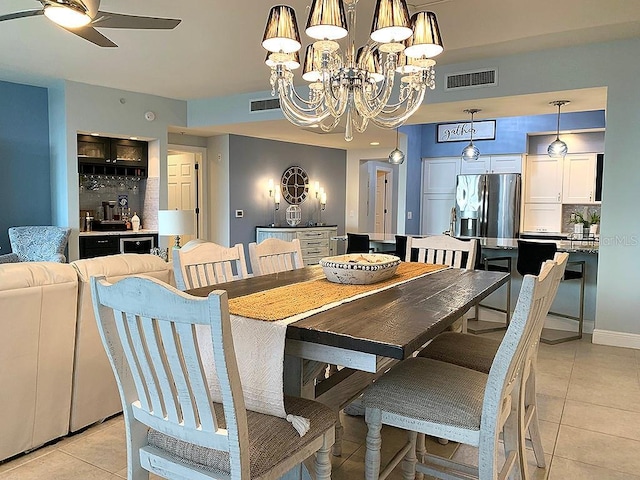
(315, 242)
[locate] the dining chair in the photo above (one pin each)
(358, 243)
(478, 353)
(173, 426)
(200, 264)
(444, 250)
(274, 255)
(427, 396)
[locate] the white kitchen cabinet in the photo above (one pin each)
(439, 175)
(493, 164)
(436, 213)
(542, 217)
(579, 179)
(543, 179)
(315, 242)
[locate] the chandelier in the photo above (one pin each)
(354, 83)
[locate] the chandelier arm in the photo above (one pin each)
(336, 103)
(297, 114)
(328, 128)
(392, 121)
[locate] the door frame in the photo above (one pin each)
(200, 154)
(388, 198)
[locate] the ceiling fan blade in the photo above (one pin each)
(27, 13)
(91, 34)
(117, 20)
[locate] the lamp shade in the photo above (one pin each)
(311, 68)
(391, 22)
(368, 60)
(426, 40)
(327, 20)
(281, 32)
(176, 222)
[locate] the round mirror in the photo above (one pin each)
(295, 185)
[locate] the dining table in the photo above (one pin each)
(366, 335)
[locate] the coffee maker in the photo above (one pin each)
(109, 209)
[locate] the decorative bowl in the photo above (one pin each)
(359, 268)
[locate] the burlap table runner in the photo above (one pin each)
(284, 302)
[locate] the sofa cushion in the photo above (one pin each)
(120, 266)
(34, 274)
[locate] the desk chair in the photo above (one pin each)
(174, 428)
(358, 243)
(274, 255)
(427, 396)
(200, 264)
(531, 255)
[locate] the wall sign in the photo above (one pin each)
(458, 132)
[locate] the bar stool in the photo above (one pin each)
(531, 255)
(358, 243)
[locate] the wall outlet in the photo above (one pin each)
(239, 213)
(409, 215)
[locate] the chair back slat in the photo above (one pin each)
(444, 250)
(166, 383)
(149, 331)
(274, 255)
(200, 264)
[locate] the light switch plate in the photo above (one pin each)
(239, 213)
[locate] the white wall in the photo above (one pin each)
(218, 199)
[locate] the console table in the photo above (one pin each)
(315, 242)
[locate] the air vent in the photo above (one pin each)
(262, 105)
(480, 78)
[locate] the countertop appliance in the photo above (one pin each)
(488, 205)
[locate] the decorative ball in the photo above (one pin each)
(294, 215)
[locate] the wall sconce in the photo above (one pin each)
(276, 204)
(270, 187)
(323, 205)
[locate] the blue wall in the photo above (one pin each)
(511, 137)
(25, 190)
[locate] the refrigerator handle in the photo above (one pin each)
(485, 207)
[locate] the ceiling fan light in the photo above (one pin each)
(281, 32)
(327, 20)
(426, 41)
(391, 22)
(68, 16)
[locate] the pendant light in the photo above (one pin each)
(470, 153)
(557, 148)
(396, 157)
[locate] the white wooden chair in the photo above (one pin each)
(444, 250)
(200, 264)
(173, 428)
(274, 255)
(427, 396)
(477, 353)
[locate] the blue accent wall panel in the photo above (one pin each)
(511, 133)
(414, 177)
(25, 190)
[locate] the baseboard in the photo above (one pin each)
(616, 339)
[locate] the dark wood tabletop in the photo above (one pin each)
(393, 323)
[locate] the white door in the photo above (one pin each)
(383, 205)
(182, 179)
(543, 180)
(579, 178)
(439, 174)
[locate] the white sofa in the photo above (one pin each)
(54, 373)
(38, 305)
(95, 393)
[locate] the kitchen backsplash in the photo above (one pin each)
(567, 210)
(95, 189)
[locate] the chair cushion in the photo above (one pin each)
(431, 391)
(271, 439)
(469, 351)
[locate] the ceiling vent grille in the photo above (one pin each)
(480, 78)
(262, 105)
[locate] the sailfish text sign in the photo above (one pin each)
(457, 132)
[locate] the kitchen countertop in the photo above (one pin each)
(96, 233)
(563, 245)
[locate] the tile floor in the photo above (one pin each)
(589, 399)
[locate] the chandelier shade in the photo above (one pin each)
(327, 20)
(281, 32)
(292, 60)
(557, 148)
(391, 22)
(426, 41)
(350, 86)
(470, 153)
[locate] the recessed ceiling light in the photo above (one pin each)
(374, 144)
(133, 138)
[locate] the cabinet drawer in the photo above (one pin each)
(312, 235)
(314, 243)
(99, 246)
(317, 250)
(313, 260)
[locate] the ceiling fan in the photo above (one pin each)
(81, 17)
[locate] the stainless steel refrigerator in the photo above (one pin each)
(488, 205)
